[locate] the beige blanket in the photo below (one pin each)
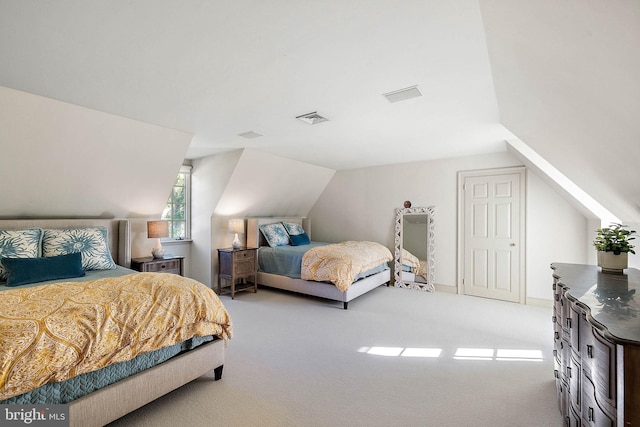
(340, 263)
(57, 331)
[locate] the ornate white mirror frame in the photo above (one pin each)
(402, 280)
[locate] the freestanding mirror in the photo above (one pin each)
(414, 248)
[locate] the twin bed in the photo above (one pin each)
(289, 271)
(97, 336)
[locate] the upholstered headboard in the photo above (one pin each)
(255, 239)
(119, 232)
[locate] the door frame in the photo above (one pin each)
(462, 175)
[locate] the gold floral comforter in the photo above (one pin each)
(57, 331)
(340, 263)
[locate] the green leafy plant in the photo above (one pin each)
(614, 238)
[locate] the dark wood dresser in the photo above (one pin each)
(596, 320)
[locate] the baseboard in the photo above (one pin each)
(540, 302)
(446, 289)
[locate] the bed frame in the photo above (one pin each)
(255, 239)
(118, 399)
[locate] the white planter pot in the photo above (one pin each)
(612, 263)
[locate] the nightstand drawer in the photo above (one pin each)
(243, 267)
(172, 264)
(244, 255)
(169, 266)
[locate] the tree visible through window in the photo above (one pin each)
(177, 210)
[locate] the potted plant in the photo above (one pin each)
(613, 245)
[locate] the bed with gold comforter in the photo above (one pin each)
(335, 271)
(341, 263)
(54, 332)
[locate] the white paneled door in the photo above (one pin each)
(493, 234)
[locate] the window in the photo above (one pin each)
(178, 208)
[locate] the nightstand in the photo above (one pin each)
(239, 267)
(168, 264)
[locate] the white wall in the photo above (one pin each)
(242, 184)
(360, 204)
(68, 160)
(566, 78)
(209, 178)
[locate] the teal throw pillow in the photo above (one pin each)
(299, 239)
(21, 271)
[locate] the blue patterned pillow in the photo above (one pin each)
(292, 228)
(90, 242)
(275, 234)
(19, 244)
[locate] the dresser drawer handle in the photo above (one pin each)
(590, 414)
(590, 351)
(556, 335)
(569, 371)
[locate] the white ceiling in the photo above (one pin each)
(220, 68)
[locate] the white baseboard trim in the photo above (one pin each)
(446, 288)
(540, 302)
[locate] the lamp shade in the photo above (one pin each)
(236, 225)
(157, 229)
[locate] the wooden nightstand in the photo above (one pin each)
(168, 264)
(237, 266)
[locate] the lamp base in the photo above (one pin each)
(236, 244)
(158, 250)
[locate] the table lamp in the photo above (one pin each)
(157, 230)
(236, 226)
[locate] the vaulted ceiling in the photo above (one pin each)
(563, 77)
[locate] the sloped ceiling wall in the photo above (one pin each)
(566, 79)
(62, 160)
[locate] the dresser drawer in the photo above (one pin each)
(599, 363)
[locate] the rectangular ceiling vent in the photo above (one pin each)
(312, 118)
(403, 94)
(250, 134)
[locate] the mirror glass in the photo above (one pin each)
(414, 248)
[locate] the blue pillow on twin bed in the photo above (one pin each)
(275, 234)
(293, 228)
(21, 271)
(299, 239)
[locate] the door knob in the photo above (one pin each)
(512, 244)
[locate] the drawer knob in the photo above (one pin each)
(590, 351)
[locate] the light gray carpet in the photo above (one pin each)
(300, 361)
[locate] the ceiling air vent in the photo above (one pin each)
(402, 94)
(312, 118)
(250, 134)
